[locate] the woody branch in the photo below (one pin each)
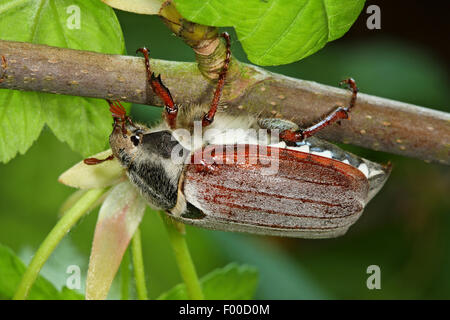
(376, 123)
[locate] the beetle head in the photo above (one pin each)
(146, 154)
(126, 136)
(125, 140)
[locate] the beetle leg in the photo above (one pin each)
(161, 91)
(208, 118)
(338, 114)
(94, 161)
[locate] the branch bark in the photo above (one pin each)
(376, 123)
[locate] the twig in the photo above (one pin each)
(376, 123)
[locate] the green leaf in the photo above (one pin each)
(11, 271)
(21, 122)
(277, 32)
(83, 123)
(233, 282)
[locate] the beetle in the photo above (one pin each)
(317, 190)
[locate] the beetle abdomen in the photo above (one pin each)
(306, 196)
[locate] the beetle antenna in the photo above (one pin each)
(126, 118)
(117, 110)
(119, 114)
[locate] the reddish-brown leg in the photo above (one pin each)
(94, 161)
(336, 115)
(209, 117)
(161, 91)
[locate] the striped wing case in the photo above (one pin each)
(305, 195)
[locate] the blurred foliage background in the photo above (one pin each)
(404, 230)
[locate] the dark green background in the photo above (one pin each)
(404, 230)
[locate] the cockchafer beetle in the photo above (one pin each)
(317, 190)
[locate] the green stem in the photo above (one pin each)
(53, 238)
(183, 258)
(138, 265)
(125, 276)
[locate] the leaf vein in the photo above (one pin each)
(199, 10)
(35, 20)
(291, 25)
(260, 21)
